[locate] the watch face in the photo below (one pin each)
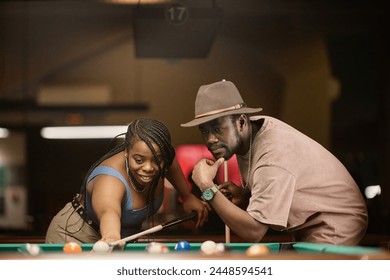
(208, 194)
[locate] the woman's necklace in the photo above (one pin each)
(136, 186)
(249, 163)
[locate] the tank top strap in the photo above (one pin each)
(107, 170)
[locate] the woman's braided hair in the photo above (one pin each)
(150, 131)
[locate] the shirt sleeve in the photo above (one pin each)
(272, 191)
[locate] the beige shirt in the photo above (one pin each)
(300, 187)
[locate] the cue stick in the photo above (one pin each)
(226, 177)
(159, 227)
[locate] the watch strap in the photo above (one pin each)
(215, 188)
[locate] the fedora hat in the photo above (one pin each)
(217, 100)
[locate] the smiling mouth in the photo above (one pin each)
(146, 178)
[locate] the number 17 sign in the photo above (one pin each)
(176, 13)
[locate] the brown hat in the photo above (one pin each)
(217, 100)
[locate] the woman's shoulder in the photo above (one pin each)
(111, 166)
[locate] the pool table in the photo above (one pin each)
(284, 251)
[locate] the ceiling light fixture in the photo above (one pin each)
(137, 2)
(83, 132)
(4, 133)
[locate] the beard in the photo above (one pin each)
(230, 150)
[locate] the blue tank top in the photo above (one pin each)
(131, 219)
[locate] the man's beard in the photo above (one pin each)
(229, 152)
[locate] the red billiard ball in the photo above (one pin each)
(72, 248)
(182, 246)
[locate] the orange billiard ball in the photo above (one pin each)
(72, 248)
(257, 250)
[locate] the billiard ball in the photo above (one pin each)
(157, 248)
(220, 248)
(33, 249)
(257, 250)
(182, 246)
(101, 247)
(72, 248)
(208, 247)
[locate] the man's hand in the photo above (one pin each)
(204, 172)
(237, 195)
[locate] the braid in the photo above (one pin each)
(151, 132)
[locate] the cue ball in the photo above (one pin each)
(72, 247)
(101, 247)
(157, 248)
(33, 249)
(257, 250)
(208, 247)
(182, 246)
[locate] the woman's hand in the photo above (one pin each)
(192, 203)
(118, 247)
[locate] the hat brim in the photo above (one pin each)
(205, 119)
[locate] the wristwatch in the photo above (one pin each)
(208, 194)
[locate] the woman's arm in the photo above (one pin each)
(190, 202)
(107, 195)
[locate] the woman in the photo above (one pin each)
(124, 188)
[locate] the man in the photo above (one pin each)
(293, 183)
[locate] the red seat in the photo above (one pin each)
(189, 155)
